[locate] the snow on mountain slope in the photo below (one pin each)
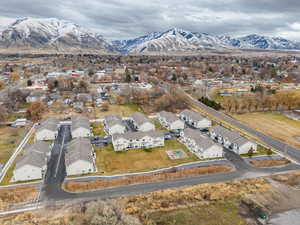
(181, 40)
(171, 40)
(61, 35)
(49, 33)
(263, 42)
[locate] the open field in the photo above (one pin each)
(225, 213)
(10, 137)
(273, 124)
(121, 110)
(77, 186)
(138, 160)
(16, 195)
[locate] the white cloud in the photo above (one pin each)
(119, 19)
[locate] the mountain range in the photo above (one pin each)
(64, 36)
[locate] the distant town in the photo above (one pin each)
(93, 126)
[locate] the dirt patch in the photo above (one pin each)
(75, 186)
(269, 162)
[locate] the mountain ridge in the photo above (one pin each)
(64, 36)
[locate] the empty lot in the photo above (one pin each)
(273, 124)
(9, 139)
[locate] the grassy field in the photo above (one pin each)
(98, 129)
(136, 160)
(9, 139)
(122, 110)
(225, 213)
(273, 124)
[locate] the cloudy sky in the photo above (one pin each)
(122, 19)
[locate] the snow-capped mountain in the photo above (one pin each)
(61, 35)
(173, 40)
(178, 40)
(263, 42)
(50, 33)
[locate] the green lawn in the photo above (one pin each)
(260, 151)
(137, 160)
(218, 213)
(98, 129)
(158, 126)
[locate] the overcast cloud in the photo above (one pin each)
(123, 19)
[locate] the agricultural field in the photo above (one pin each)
(274, 124)
(137, 160)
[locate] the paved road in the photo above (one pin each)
(56, 170)
(52, 190)
(277, 145)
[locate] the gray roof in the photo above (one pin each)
(224, 132)
(79, 149)
(80, 121)
(49, 124)
(193, 115)
(140, 118)
(35, 155)
(33, 159)
(138, 135)
(169, 117)
(232, 136)
(111, 120)
(202, 141)
(40, 147)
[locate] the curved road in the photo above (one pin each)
(52, 191)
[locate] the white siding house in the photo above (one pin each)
(81, 127)
(80, 157)
(141, 122)
(47, 130)
(132, 140)
(232, 140)
(33, 164)
(170, 121)
(113, 124)
(195, 120)
(200, 145)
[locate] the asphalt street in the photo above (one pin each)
(52, 190)
(277, 145)
(55, 175)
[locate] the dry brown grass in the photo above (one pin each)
(17, 195)
(10, 137)
(274, 124)
(176, 198)
(74, 186)
(269, 162)
(291, 179)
